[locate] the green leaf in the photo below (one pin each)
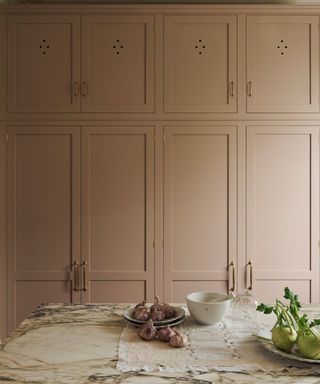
(264, 308)
(294, 299)
(314, 322)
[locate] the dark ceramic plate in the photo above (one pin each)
(174, 323)
(179, 313)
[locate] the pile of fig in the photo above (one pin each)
(157, 312)
(175, 339)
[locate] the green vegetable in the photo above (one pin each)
(283, 338)
(293, 328)
(309, 345)
(308, 340)
(283, 333)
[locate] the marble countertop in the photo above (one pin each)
(69, 344)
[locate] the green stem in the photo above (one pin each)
(284, 313)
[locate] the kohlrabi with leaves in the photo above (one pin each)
(283, 333)
(308, 340)
(293, 328)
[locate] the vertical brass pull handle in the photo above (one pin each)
(75, 277)
(231, 86)
(233, 278)
(250, 274)
(249, 88)
(84, 89)
(85, 287)
(75, 89)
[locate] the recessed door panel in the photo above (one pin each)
(282, 59)
(43, 220)
(282, 203)
(30, 294)
(43, 63)
(268, 290)
(200, 64)
(182, 288)
(118, 60)
(199, 208)
(118, 206)
(43, 194)
(117, 291)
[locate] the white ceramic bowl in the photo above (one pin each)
(208, 307)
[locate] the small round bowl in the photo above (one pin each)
(208, 307)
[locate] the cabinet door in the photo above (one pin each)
(118, 63)
(282, 59)
(200, 64)
(282, 204)
(199, 209)
(43, 63)
(43, 198)
(118, 218)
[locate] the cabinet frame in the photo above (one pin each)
(170, 275)
(231, 104)
(148, 274)
(261, 128)
(252, 105)
(3, 234)
(12, 105)
(12, 274)
(148, 106)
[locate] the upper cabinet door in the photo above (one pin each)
(200, 64)
(282, 59)
(118, 63)
(43, 63)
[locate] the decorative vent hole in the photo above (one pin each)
(282, 46)
(118, 46)
(200, 47)
(44, 47)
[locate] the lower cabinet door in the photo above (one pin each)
(118, 218)
(199, 209)
(43, 199)
(283, 211)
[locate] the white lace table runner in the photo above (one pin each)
(227, 346)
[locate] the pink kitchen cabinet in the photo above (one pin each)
(200, 70)
(282, 63)
(199, 208)
(43, 227)
(282, 210)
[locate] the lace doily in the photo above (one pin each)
(226, 346)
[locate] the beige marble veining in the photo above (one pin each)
(78, 344)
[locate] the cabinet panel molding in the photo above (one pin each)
(199, 204)
(282, 64)
(43, 63)
(118, 206)
(43, 228)
(118, 63)
(200, 64)
(282, 204)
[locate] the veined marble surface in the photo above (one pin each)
(78, 344)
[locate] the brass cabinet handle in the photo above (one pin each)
(232, 269)
(75, 277)
(85, 287)
(75, 89)
(231, 90)
(84, 89)
(250, 274)
(249, 90)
